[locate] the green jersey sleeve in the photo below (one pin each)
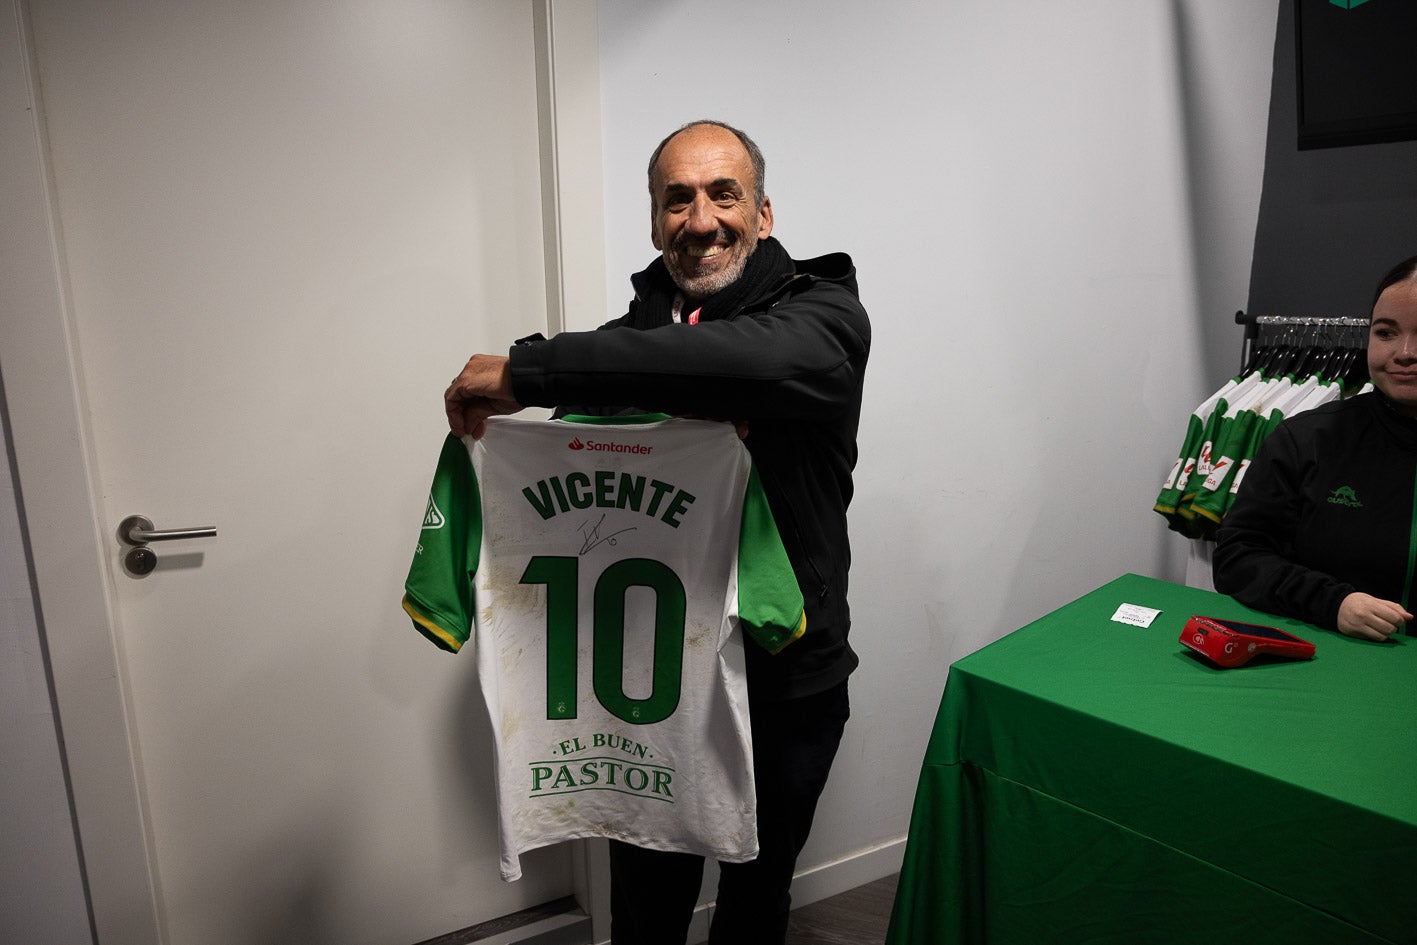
(770, 607)
(438, 594)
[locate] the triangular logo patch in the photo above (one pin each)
(433, 517)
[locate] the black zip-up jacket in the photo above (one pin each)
(790, 362)
(1325, 509)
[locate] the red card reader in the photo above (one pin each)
(1230, 643)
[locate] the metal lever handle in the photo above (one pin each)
(137, 530)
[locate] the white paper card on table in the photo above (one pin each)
(1136, 615)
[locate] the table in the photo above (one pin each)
(1089, 781)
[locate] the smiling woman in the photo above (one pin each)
(1325, 526)
(1392, 338)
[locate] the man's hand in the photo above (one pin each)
(482, 390)
(1370, 618)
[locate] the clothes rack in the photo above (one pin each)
(1289, 364)
(1329, 331)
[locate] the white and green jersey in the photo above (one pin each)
(602, 570)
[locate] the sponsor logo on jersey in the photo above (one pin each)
(1345, 496)
(1239, 477)
(593, 446)
(1170, 482)
(433, 516)
(614, 763)
(1203, 460)
(1218, 471)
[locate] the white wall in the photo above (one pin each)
(42, 898)
(41, 889)
(283, 187)
(1051, 206)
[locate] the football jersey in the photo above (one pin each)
(606, 572)
(1169, 500)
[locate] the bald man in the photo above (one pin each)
(725, 325)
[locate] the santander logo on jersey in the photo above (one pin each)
(596, 446)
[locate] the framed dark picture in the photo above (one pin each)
(1357, 71)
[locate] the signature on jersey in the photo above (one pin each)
(591, 533)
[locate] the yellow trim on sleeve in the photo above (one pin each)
(796, 633)
(430, 629)
(1208, 514)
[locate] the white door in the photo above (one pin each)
(280, 227)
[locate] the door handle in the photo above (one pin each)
(137, 530)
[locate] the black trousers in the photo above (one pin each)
(653, 894)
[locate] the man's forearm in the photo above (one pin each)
(483, 389)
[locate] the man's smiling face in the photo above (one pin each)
(705, 218)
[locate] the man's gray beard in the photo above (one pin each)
(702, 287)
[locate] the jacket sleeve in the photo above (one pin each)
(801, 359)
(1254, 552)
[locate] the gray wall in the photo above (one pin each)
(1052, 209)
(281, 186)
(1052, 206)
(1331, 221)
(41, 889)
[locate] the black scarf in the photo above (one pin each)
(768, 265)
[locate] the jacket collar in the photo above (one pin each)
(833, 267)
(1402, 426)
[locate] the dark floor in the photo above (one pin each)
(855, 917)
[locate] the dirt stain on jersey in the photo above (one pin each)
(698, 634)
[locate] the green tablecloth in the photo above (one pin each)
(1088, 781)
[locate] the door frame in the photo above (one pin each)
(567, 37)
(57, 481)
(75, 561)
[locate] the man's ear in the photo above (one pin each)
(654, 232)
(764, 219)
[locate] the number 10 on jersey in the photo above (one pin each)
(561, 576)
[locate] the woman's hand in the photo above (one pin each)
(1370, 618)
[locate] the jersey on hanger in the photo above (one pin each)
(602, 569)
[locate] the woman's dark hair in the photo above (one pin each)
(1407, 269)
